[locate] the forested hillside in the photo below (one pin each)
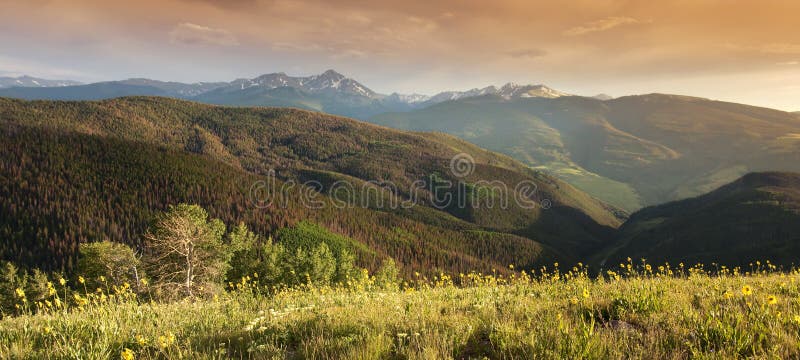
(89, 171)
(754, 218)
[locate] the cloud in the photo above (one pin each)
(602, 25)
(227, 4)
(771, 48)
(193, 34)
(527, 53)
(788, 63)
(781, 48)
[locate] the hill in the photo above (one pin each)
(118, 161)
(755, 218)
(631, 151)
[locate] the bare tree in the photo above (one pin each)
(185, 254)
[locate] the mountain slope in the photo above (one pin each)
(755, 218)
(631, 151)
(96, 91)
(301, 146)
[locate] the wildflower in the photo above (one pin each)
(573, 300)
(143, 281)
(141, 340)
(746, 290)
(20, 293)
(127, 354)
(165, 341)
(586, 293)
(102, 278)
(772, 300)
(796, 319)
(81, 280)
(62, 281)
(47, 330)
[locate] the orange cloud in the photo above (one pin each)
(601, 25)
(193, 34)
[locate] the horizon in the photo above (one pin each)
(706, 49)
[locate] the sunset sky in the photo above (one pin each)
(743, 51)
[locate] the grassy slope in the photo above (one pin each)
(641, 317)
(718, 142)
(754, 218)
(630, 151)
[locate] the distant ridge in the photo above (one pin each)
(29, 81)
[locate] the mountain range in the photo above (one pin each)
(329, 92)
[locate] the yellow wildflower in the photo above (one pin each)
(746, 290)
(586, 293)
(62, 281)
(127, 354)
(772, 300)
(20, 293)
(166, 340)
(81, 280)
(141, 340)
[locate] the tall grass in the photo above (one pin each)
(630, 312)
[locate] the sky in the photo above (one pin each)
(733, 50)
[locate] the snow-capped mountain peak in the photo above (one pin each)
(328, 81)
(508, 91)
